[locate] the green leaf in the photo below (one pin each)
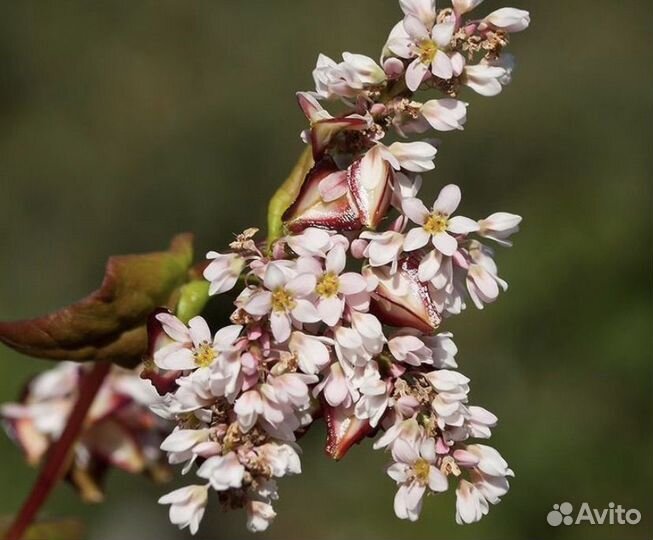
(286, 195)
(109, 324)
(59, 529)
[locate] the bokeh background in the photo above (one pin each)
(122, 123)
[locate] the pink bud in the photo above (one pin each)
(402, 300)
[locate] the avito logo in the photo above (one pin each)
(562, 514)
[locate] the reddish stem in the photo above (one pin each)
(54, 467)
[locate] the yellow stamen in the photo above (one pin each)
(436, 223)
(421, 470)
(427, 49)
(204, 354)
(282, 300)
(328, 285)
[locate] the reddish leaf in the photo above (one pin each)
(109, 324)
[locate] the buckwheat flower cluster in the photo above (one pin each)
(338, 317)
(119, 431)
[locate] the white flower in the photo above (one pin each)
(187, 506)
(374, 395)
(348, 78)
(223, 472)
(409, 431)
(424, 42)
(284, 298)
(383, 247)
(499, 227)
(482, 278)
(437, 224)
(335, 387)
(223, 271)
(414, 471)
(448, 404)
(484, 78)
(410, 350)
(445, 114)
(193, 346)
(333, 288)
(259, 515)
(414, 156)
(508, 19)
(471, 505)
(490, 461)
(281, 458)
(443, 349)
(180, 443)
(480, 422)
(311, 352)
(436, 268)
(464, 6)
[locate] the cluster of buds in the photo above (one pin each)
(338, 317)
(119, 431)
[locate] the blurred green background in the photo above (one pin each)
(122, 123)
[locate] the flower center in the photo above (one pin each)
(328, 285)
(426, 50)
(421, 469)
(204, 354)
(282, 300)
(436, 223)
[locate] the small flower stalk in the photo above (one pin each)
(341, 313)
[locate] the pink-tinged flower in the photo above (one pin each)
(187, 506)
(314, 242)
(193, 346)
(410, 349)
(437, 225)
(445, 114)
(414, 156)
(426, 44)
(223, 271)
(401, 299)
(471, 505)
(499, 227)
(490, 461)
(415, 471)
(311, 352)
(452, 390)
(508, 19)
(405, 186)
(317, 205)
(223, 472)
(284, 299)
